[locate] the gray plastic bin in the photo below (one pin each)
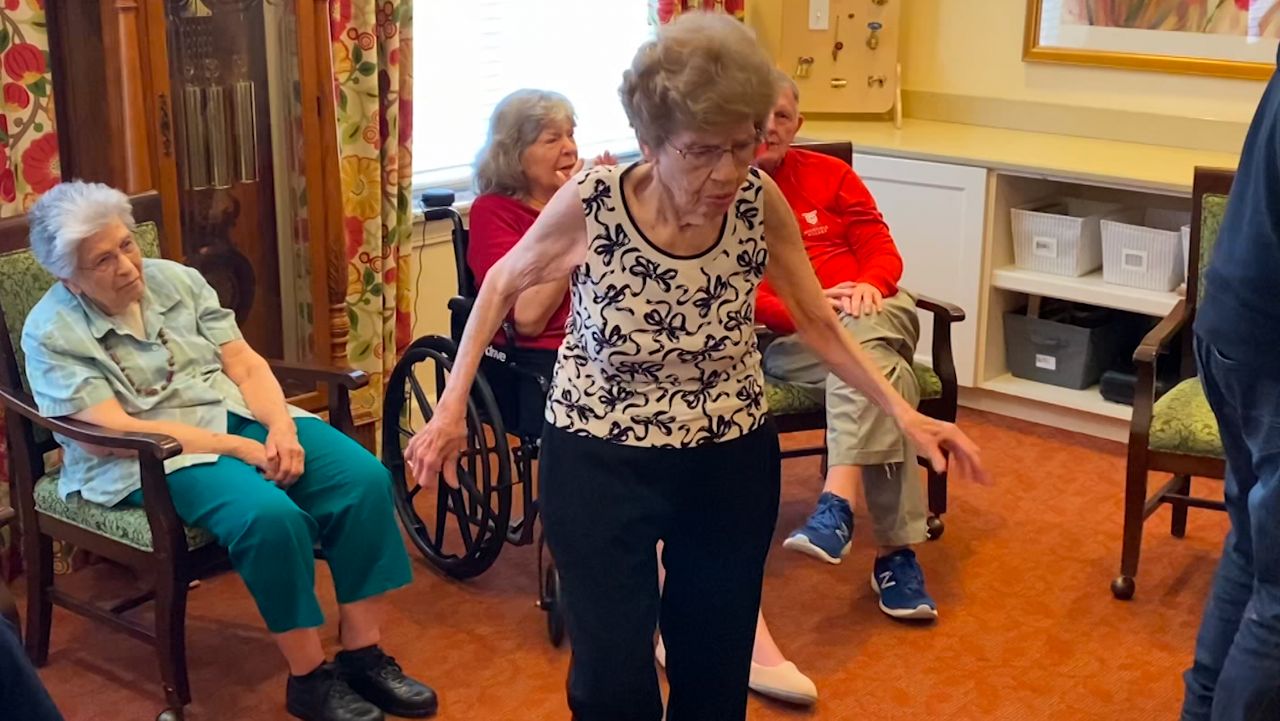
(1066, 346)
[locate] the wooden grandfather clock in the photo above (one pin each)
(226, 108)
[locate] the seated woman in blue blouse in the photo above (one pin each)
(140, 345)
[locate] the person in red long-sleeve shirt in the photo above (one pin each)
(529, 154)
(859, 267)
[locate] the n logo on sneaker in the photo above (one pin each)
(886, 579)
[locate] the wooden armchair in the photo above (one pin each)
(795, 408)
(152, 540)
(1176, 433)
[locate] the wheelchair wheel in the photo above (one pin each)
(459, 531)
(553, 604)
(550, 598)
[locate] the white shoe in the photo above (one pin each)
(783, 682)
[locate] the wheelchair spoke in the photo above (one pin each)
(464, 523)
(421, 397)
(442, 509)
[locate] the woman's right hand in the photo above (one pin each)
(435, 448)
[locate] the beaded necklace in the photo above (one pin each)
(168, 377)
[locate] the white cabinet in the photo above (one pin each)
(936, 214)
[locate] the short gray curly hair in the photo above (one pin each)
(704, 71)
(516, 123)
(69, 213)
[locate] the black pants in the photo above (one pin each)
(605, 507)
(22, 696)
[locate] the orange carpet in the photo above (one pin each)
(1029, 630)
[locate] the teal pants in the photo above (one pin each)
(342, 503)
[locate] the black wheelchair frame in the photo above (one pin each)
(480, 509)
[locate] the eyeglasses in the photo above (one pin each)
(108, 263)
(706, 157)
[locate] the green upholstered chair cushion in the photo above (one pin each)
(929, 382)
(783, 398)
(23, 283)
(1182, 422)
(1212, 209)
(125, 524)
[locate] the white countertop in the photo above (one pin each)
(1106, 162)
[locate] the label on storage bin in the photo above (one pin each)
(1044, 246)
(1133, 259)
(1046, 362)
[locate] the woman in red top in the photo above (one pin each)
(529, 154)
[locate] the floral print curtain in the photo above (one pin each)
(373, 77)
(664, 11)
(29, 162)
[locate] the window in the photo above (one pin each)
(468, 54)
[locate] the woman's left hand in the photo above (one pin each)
(285, 457)
(945, 445)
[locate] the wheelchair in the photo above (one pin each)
(461, 532)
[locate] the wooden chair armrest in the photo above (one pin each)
(949, 312)
(349, 378)
(153, 449)
(1157, 338)
(155, 445)
(339, 383)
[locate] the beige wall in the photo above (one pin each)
(974, 48)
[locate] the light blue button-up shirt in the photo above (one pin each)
(78, 357)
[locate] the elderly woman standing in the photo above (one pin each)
(657, 428)
(143, 346)
(529, 154)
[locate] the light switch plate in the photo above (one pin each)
(819, 14)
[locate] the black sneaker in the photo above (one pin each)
(380, 680)
(322, 695)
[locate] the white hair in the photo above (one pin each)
(786, 82)
(69, 213)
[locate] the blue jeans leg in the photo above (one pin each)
(1236, 673)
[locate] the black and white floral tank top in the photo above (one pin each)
(660, 350)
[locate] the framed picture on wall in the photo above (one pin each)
(1231, 38)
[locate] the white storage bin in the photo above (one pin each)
(1186, 250)
(1148, 256)
(1061, 238)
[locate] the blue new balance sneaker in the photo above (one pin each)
(899, 581)
(825, 536)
